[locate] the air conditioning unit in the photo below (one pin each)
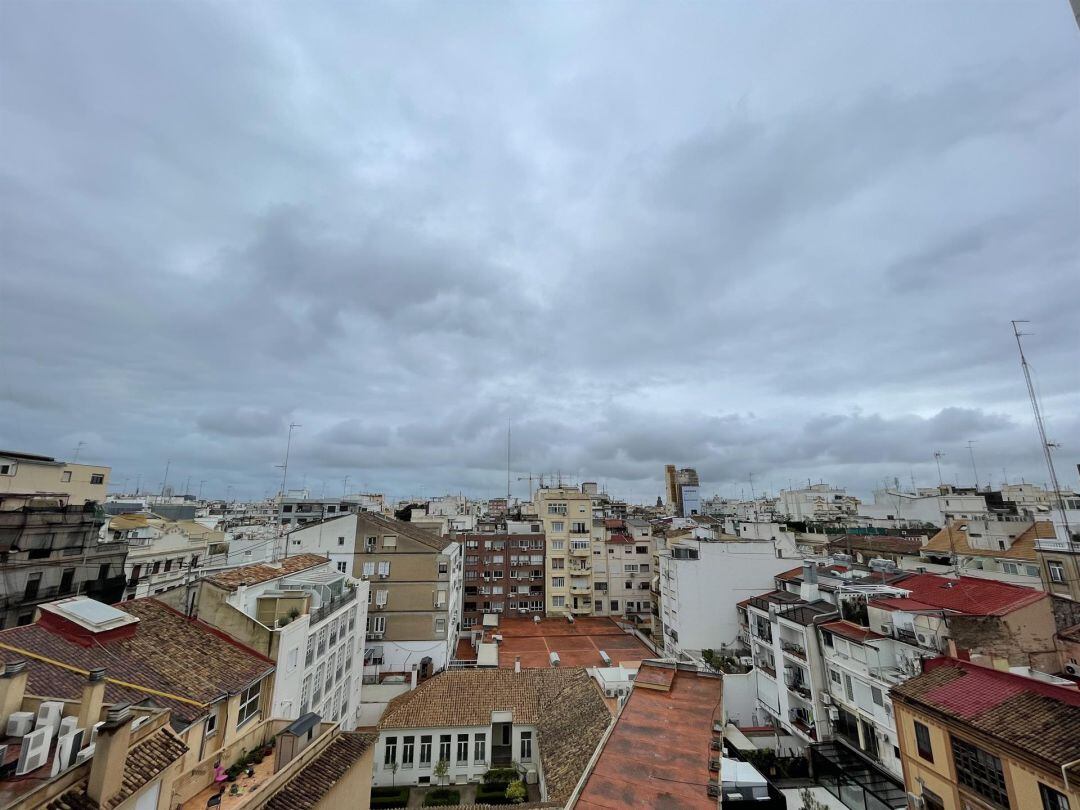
(94, 731)
(834, 714)
(35, 751)
(376, 636)
(1073, 670)
(826, 699)
(67, 749)
(85, 754)
(68, 725)
(922, 640)
(916, 802)
(48, 716)
(139, 722)
(20, 724)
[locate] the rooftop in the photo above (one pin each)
(406, 529)
(145, 760)
(1025, 715)
(658, 753)
(953, 540)
(565, 705)
(970, 595)
(164, 659)
(578, 644)
(233, 578)
(851, 631)
(316, 779)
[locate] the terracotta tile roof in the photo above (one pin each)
(657, 755)
(565, 705)
(952, 540)
(253, 574)
(970, 595)
(315, 780)
(144, 762)
(168, 653)
(1023, 714)
(852, 631)
(886, 544)
(405, 529)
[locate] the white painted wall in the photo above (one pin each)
(469, 770)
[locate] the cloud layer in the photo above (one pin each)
(760, 240)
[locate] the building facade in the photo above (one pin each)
(502, 573)
(51, 549)
(567, 517)
(161, 554)
(43, 475)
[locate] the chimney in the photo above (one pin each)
(93, 696)
(808, 590)
(12, 687)
(517, 663)
(110, 755)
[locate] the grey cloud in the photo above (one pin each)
(640, 236)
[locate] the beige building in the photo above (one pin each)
(567, 517)
(29, 474)
(623, 568)
(414, 602)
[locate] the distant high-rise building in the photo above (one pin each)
(672, 488)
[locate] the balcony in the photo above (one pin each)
(794, 650)
(317, 615)
(799, 688)
(768, 670)
(580, 552)
(579, 530)
(581, 590)
(582, 610)
(804, 728)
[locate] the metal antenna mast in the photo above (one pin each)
(1046, 445)
(285, 466)
(937, 458)
(975, 472)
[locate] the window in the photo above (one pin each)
(526, 745)
(287, 507)
(309, 654)
(558, 563)
(341, 566)
(444, 748)
(369, 569)
(305, 695)
(103, 571)
(980, 771)
(480, 749)
(33, 583)
(407, 744)
(97, 478)
(462, 748)
(922, 742)
(877, 696)
(1056, 569)
(389, 541)
(66, 580)
(211, 722)
(849, 692)
(318, 682)
(557, 526)
(65, 476)
(384, 568)
(249, 704)
(615, 605)
(444, 566)
(1052, 799)
(294, 658)
(369, 544)
(390, 751)
(425, 750)
(630, 568)
(440, 625)
(558, 601)
(340, 540)
(379, 624)
(558, 582)
(157, 567)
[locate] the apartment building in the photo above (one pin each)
(415, 599)
(145, 653)
(161, 554)
(699, 582)
(623, 569)
(935, 507)
(818, 503)
(1005, 550)
(1059, 561)
(28, 474)
(502, 573)
(977, 737)
(566, 514)
(51, 549)
(302, 613)
(783, 640)
(299, 508)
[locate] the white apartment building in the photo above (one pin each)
(297, 508)
(936, 507)
(305, 615)
(818, 503)
(623, 569)
(699, 583)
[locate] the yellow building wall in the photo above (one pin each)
(353, 790)
(31, 478)
(938, 775)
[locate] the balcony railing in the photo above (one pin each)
(793, 649)
(320, 613)
(768, 670)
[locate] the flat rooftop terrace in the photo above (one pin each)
(578, 644)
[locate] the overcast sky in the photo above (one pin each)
(778, 239)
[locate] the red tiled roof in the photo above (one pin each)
(1026, 715)
(168, 655)
(970, 595)
(901, 603)
(253, 574)
(851, 631)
